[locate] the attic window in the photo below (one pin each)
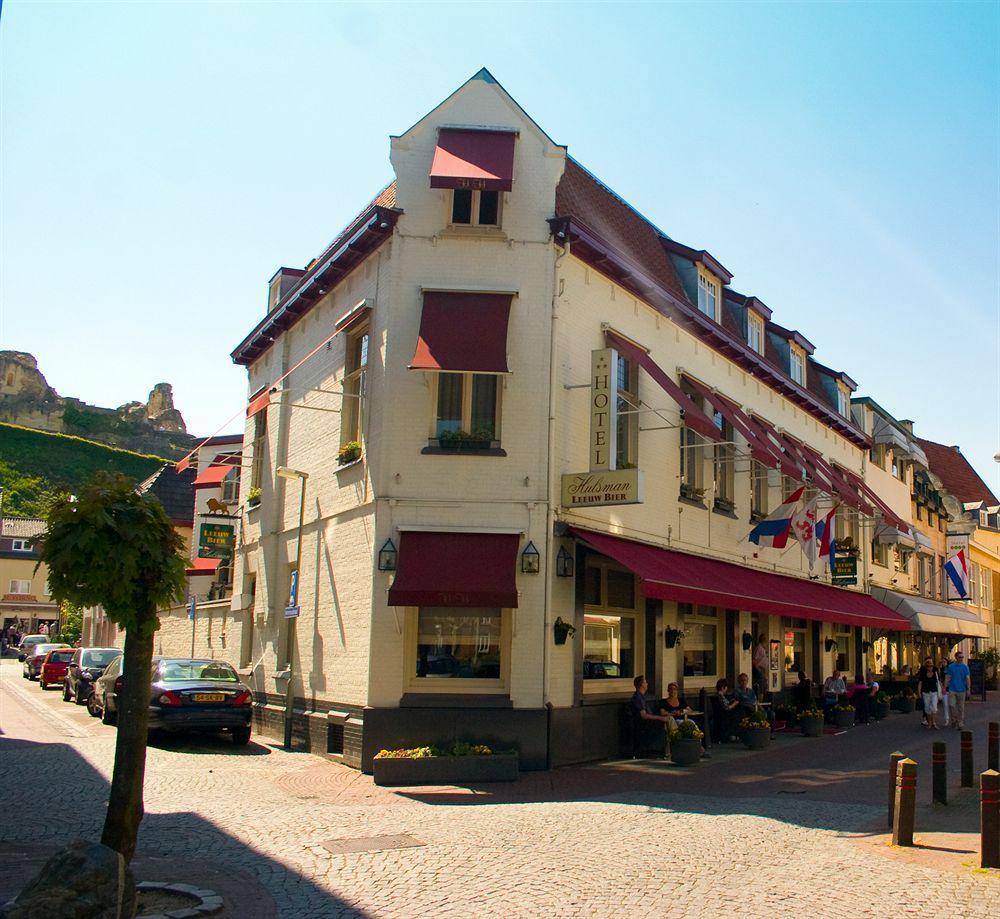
(475, 208)
(755, 332)
(797, 365)
(843, 401)
(708, 295)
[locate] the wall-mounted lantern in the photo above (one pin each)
(564, 563)
(530, 559)
(387, 556)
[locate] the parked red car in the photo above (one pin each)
(55, 667)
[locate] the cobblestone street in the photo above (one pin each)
(787, 831)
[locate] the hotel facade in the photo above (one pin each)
(505, 442)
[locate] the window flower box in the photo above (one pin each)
(445, 770)
(349, 453)
(692, 492)
(463, 441)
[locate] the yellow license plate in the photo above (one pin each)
(209, 697)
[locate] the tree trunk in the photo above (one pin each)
(121, 825)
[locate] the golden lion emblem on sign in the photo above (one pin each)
(215, 506)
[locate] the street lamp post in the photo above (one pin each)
(292, 612)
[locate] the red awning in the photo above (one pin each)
(221, 466)
(203, 566)
(670, 575)
(473, 159)
(694, 417)
(760, 449)
(456, 569)
(258, 403)
(463, 332)
(788, 464)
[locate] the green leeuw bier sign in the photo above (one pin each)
(216, 540)
(845, 570)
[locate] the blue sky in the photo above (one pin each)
(160, 160)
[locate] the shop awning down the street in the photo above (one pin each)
(667, 574)
(933, 616)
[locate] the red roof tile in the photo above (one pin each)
(948, 464)
(580, 195)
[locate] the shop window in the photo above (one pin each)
(844, 636)
(759, 504)
(468, 409)
(612, 629)
(796, 648)
(459, 644)
(355, 379)
(475, 208)
(708, 295)
(627, 447)
(701, 645)
(724, 466)
(259, 448)
(692, 463)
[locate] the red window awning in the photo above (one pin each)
(220, 467)
(456, 569)
(473, 159)
(670, 575)
(787, 462)
(694, 417)
(760, 449)
(259, 403)
(202, 566)
(463, 332)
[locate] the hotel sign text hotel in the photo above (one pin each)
(603, 414)
(599, 489)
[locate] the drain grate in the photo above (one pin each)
(371, 843)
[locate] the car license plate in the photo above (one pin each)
(209, 697)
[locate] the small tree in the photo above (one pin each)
(116, 548)
(70, 622)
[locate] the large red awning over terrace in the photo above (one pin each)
(463, 332)
(456, 569)
(670, 575)
(473, 159)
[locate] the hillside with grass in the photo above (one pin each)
(36, 465)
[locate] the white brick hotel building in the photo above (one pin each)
(431, 374)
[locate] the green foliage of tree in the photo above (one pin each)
(70, 622)
(116, 548)
(24, 495)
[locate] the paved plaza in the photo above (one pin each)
(794, 830)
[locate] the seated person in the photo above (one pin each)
(747, 699)
(674, 705)
(644, 723)
(833, 688)
(726, 713)
(861, 698)
(802, 692)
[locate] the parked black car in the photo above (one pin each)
(87, 666)
(184, 695)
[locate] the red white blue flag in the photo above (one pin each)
(773, 531)
(824, 533)
(957, 569)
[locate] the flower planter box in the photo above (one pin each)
(812, 727)
(757, 738)
(464, 446)
(685, 751)
(880, 710)
(843, 719)
(445, 770)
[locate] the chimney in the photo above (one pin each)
(906, 424)
(283, 280)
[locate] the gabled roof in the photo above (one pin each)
(955, 471)
(21, 527)
(175, 491)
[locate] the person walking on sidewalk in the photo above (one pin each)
(957, 685)
(929, 687)
(943, 669)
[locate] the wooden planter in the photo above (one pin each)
(812, 727)
(880, 710)
(757, 738)
(844, 719)
(446, 770)
(686, 751)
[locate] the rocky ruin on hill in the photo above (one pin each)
(154, 426)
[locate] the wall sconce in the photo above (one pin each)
(831, 644)
(747, 641)
(564, 564)
(387, 556)
(530, 559)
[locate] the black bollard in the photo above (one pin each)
(967, 759)
(989, 819)
(894, 759)
(906, 799)
(939, 773)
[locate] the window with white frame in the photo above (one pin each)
(692, 463)
(724, 463)
(355, 377)
(475, 208)
(845, 527)
(843, 401)
(231, 483)
(702, 645)
(759, 485)
(844, 636)
(880, 553)
(755, 332)
(708, 295)
(20, 587)
(974, 583)
(459, 644)
(797, 365)
(259, 448)
(467, 408)
(902, 559)
(627, 448)
(613, 627)
(877, 455)
(20, 545)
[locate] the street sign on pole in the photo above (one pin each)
(191, 606)
(291, 611)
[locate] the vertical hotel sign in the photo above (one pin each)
(603, 414)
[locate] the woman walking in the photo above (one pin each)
(929, 687)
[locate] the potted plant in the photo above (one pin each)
(905, 701)
(461, 763)
(671, 636)
(843, 716)
(685, 743)
(562, 630)
(881, 705)
(349, 453)
(991, 660)
(692, 492)
(756, 730)
(480, 439)
(811, 721)
(253, 497)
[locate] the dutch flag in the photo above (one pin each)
(824, 532)
(958, 571)
(773, 531)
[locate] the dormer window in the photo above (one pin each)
(843, 401)
(797, 365)
(708, 295)
(755, 332)
(474, 208)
